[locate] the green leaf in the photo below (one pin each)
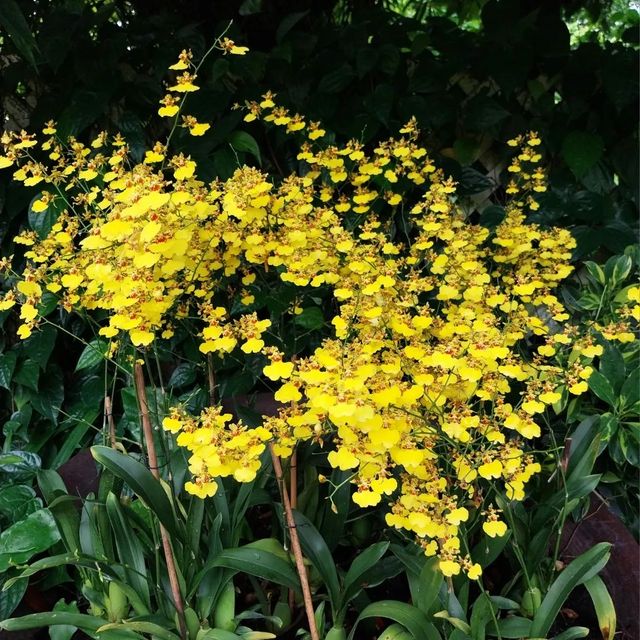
(18, 501)
(219, 634)
(612, 367)
(429, 583)
(353, 581)
(142, 483)
(630, 392)
(43, 221)
(482, 612)
(93, 354)
(40, 345)
(183, 375)
(28, 374)
(563, 585)
(596, 272)
(7, 367)
(337, 79)
(601, 387)
(243, 141)
(316, 550)
(414, 620)
(63, 506)
(143, 627)
(461, 625)
(48, 400)
(288, 22)
(260, 563)
(617, 269)
(28, 537)
(581, 151)
(603, 604)
(572, 633)
(63, 631)
(310, 318)
(129, 548)
(88, 624)
(15, 24)
(11, 596)
(512, 627)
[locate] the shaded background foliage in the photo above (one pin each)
(474, 73)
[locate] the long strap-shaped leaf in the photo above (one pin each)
(410, 617)
(143, 484)
(571, 577)
(259, 563)
(88, 624)
(603, 604)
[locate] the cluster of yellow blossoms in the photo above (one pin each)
(423, 391)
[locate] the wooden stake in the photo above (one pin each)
(295, 545)
(147, 430)
(108, 412)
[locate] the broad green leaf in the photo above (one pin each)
(337, 79)
(581, 151)
(93, 354)
(602, 388)
(617, 269)
(13, 21)
(512, 627)
(459, 624)
(243, 141)
(48, 400)
(316, 550)
(429, 583)
(354, 580)
(88, 624)
(310, 318)
(129, 548)
(416, 622)
(572, 633)
(18, 501)
(288, 22)
(630, 392)
(612, 367)
(66, 512)
(7, 367)
(603, 604)
(482, 611)
(184, 374)
(142, 483)
(596, 272)
(11, 596)
(219, 634)
(42, 222)
(261, 564)
(40, 345)
(19, 465)
(28, 537)
(28, 374)
(488, 549)
(63, 631)
(155, 630)
(576, 572)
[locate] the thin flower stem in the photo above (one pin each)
(295, 545)
(153, 466)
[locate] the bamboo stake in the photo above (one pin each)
(153, 466)
(108, 412)
(295, 545)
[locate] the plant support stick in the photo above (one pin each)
(153, 466)
(295, 546)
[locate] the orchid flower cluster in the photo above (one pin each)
(444, 345)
